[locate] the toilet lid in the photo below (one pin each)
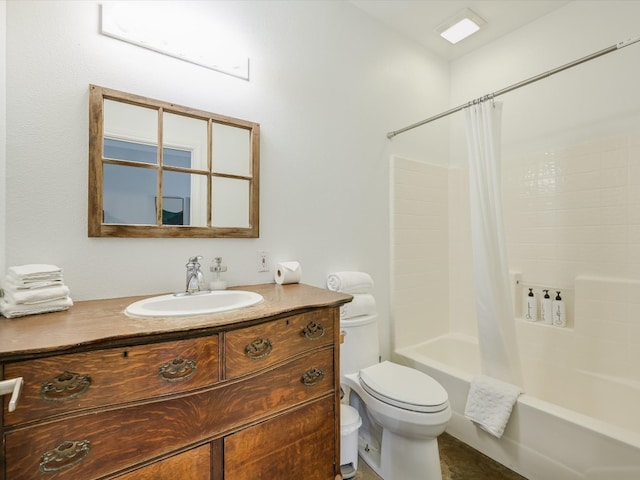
(404, 387)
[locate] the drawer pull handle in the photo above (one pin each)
(312, 377)
(259, 348)
(65, 386)
(64, 456)
(177, 370)
(313, 331)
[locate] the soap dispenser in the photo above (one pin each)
(531, 307)
(559, 313)
(546, 312)
(217, 283)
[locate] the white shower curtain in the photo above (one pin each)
(495, 313)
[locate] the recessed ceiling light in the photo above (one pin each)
(460, 26)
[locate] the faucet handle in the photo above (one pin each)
(195, 259)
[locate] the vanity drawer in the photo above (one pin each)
(68, 383)
(106, 441)
(297, 445)
(253, 348)
(195, 464)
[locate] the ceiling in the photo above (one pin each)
(419, 19)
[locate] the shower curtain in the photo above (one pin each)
(495, 314)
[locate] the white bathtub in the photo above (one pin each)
(543, 440)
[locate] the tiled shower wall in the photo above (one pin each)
(572, 220)
(575, 211)
(420, 252)
(568, 212)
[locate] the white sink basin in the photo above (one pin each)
(184, 305)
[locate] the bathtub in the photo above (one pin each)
(543, 439)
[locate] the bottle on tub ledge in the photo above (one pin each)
(531, 307)
(546, 312)
(559, 313)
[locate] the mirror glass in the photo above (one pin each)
(162, 170)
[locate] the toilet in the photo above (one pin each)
(402, 409)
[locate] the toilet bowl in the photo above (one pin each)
(403, 410)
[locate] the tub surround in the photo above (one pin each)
(107, 395)
(542, 439)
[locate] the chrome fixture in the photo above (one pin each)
(195, 278)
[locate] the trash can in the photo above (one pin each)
(350, 422)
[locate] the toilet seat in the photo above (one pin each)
(404, 387)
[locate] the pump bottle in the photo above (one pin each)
(531, 307)
(546, 312)
(559, 313)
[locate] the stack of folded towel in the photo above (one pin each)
(358, 284)
(33, 288)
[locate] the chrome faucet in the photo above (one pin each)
(195, 278)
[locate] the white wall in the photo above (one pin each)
(327, 84)
(577, 130)
(3, 132)
(570, 107)
(570, 156)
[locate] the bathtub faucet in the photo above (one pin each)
(195, 278)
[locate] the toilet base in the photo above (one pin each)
(401, 458)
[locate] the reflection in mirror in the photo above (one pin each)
(161, 170)
(235, 193)
(231, 151)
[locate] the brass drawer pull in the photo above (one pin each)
(312, 377)
(64, 456)
(65, 386)
(259, 348)
(313, 331)
(177, 370)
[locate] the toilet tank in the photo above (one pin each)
(360, 348)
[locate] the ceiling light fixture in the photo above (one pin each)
(460, 26)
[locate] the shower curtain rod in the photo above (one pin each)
(515, 86)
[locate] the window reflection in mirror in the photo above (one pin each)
(162, 170)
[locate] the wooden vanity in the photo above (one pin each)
(248, 394)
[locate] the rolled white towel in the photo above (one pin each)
(35, 296)
(362, 304)
(490, 402)
(350, 282)
(12, 310)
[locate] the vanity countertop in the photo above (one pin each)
(104, 322)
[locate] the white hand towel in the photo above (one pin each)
(34, 270)
(11, 310)
(490, 402)
(11, 282)
(27, 281)
(362, 304)
(35, 296)
(350, 282)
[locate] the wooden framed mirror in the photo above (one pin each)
(157, 169)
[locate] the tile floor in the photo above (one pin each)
(459, 462)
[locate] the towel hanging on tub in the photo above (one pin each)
(490, 402)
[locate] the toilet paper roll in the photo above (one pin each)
(288, 272)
